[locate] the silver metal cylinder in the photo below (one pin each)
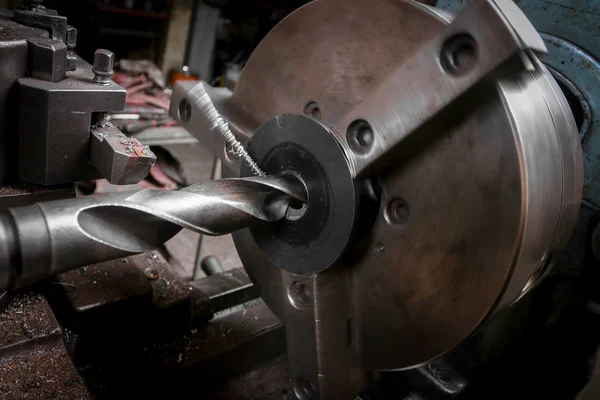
(46, 239)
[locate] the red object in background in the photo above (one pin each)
(141, 91)
(182, 74)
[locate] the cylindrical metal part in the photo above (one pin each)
(46, 239)
(211, 265)
(103, 66)
(8, 249)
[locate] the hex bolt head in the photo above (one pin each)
(103, 66)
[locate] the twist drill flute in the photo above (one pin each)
(50, 238)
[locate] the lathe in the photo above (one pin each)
(404, 184)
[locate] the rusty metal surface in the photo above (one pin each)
(121, 160)
(34, 363)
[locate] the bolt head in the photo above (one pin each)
(71, 37)
(103, 62)
(151, 273)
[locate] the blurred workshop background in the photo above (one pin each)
(156, 43)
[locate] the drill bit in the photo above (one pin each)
(202, 100)
(49, 238)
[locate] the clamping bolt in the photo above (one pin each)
(103, 66)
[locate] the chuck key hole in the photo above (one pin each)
(459, 54)
(360, 136)
(397, 211)
(313, 109)
(298, 294)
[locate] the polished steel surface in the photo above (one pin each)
(53, 237)
(474, 207)
(480, 40)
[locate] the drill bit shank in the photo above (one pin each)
(48, 238)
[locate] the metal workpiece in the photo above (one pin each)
(470, 216)
(316, 234)
(121, 160)
(48, 238)
(484, 37)
(208, 113)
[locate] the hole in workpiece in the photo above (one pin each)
(304, 389)
(397, 211)
(360, 136)
(185, 110)
(296, 210)
(312, 108)
(459, 54)
(299, 295)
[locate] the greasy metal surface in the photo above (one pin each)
(401, 103)
(33, 360)
(234, 341)
(473, 193)
(121, 160)
(27, 317)
(13, 53)
(228, 330)
(46, 156)
(111, 282)
(138, 284)
(227, 289)
(268, 381)
(92, 229)
(25, 194)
